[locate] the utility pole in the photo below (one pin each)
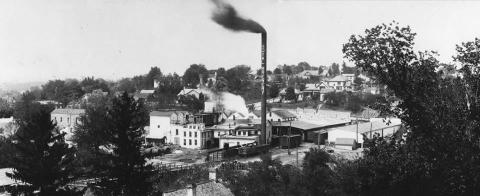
(288, 139)
(357, 130)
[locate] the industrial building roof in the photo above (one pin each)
(368, 126)
(68, 111)
(297, 124)
(284, 114)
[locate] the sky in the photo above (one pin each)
(56, 39)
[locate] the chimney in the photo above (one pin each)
(263, 139)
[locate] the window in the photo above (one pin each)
(185, 134)
(190, 142)
(339, 83)
(190, 134)
(176, 131)
(195, 142)
(339, 88)
(194, 127)
(195, 135)
(61, 119)
(68, 120)
(184, 142)
(158, 126)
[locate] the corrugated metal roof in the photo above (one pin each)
(367, 126)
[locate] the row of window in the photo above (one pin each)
(190, 133)
(68, 119)
(189, 142)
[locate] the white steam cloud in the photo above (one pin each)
(227, 101)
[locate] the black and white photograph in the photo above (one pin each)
(239, 98)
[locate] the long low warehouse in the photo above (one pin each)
(369, 129)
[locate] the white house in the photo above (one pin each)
(159, 125)
(349, 77)
(192, 135)
(66, 117)
(308, 74)
(340, 83)
(179, 127)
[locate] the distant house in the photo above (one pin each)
(195, 92)
(349, 77)
(306, 74)
(66, 117)
(340, 83)
(143, 94)
(316, 90)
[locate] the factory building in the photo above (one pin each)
(181, 128)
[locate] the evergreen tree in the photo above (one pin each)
(120, 145)
(43, 160)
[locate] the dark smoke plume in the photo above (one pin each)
(228, 17)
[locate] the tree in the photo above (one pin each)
(304, 65)
(6, 111)
(320, 70)
(238, 79)
(358, 83)
(277, 71)
(221, 85)
(7, 152)
(192, 103)
(89, 84)
(43, 160)
(319, 178)
(126, 85)
(274, 91)
(287, 70)
(334, 70)
(62, 91)
(191, 77)
(259, 72)
(290, 94)
(119, 139)
(152, 75)
(433, 108)
(347, 69)
(210, 83)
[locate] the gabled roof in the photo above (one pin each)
(68, 111)
(309, 73)
(339, 78)
(284, 114)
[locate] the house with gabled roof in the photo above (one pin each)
(340, 83)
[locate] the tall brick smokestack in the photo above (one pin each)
(226, 16)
